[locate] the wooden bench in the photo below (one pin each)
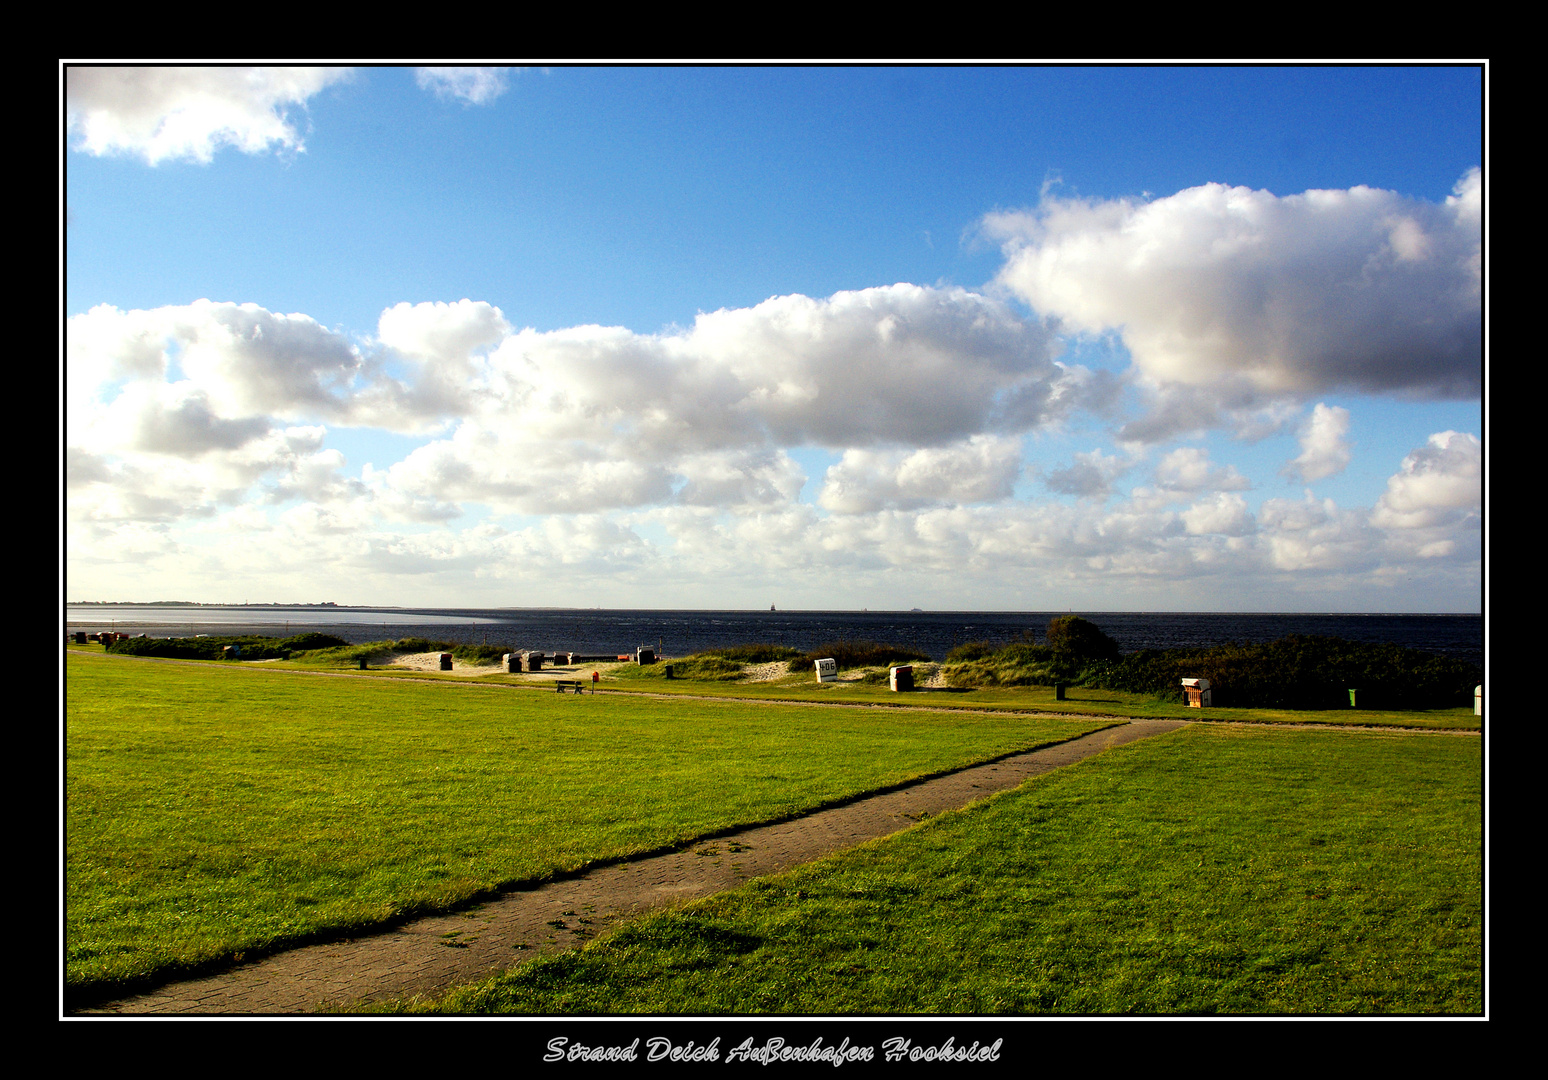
(561, 685)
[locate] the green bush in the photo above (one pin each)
(476, 654)
(1080, 639)
(309, 641)
(202, 648)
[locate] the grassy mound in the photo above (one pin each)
(752, 654)
(702, 666)
(857, 654)
(377, 652)
(979, 664)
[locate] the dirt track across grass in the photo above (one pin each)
(431, 955)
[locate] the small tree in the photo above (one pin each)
(1080, 640)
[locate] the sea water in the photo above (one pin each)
(678, 633)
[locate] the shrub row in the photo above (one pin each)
(321, 646)
(1301, 672)
(1296, 672)
(213, 648)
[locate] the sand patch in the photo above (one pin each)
(431, 661)
(766, 672)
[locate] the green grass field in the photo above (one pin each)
(1215, 870)
(214, 810)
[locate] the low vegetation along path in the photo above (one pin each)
(431, 955)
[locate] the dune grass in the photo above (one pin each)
(872, 689)
(215, 809)
(1215, 870)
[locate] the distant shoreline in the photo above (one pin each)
(331, 606)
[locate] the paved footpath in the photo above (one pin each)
(431, 955)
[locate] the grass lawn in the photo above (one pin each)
(1213, 870)
(215, 809)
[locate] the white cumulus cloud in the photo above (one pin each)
(1324, 450)
(188, 113)
(1231, 298)
(1091, 476)
(469, 85)
(1189, 469)
(444, 333)
(594, 418)
(1439, 483)
(743, 478)
(1317, 536)
(982, 469)
(1224, 512)
(239, 360)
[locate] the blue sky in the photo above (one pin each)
(1155, 338)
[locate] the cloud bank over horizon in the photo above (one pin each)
(216, 415)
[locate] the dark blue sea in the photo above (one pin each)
(677, 633)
